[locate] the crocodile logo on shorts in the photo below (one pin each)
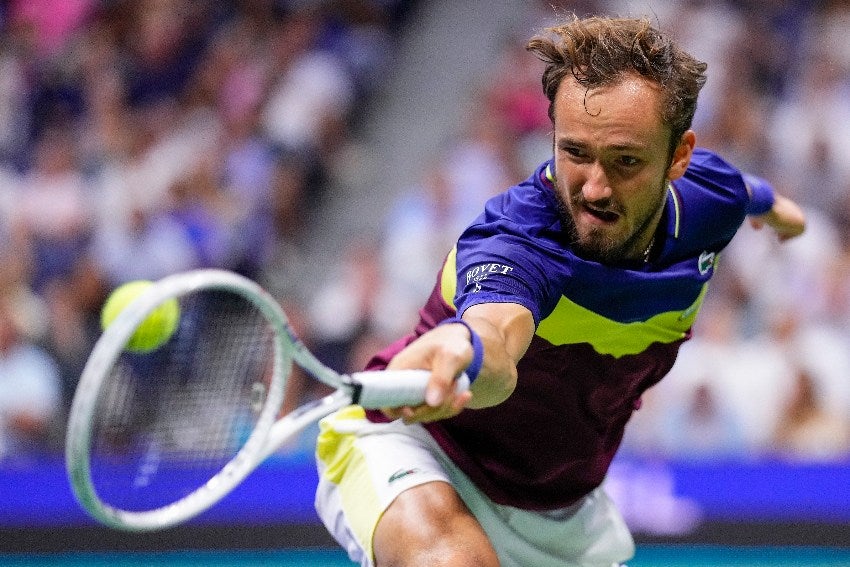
(401, 473)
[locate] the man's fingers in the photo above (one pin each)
(424, 413)
(445, 368)
(445, 351)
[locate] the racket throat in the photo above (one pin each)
(353, 386)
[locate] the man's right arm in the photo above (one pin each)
(505, 329)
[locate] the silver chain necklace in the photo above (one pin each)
(648, 250)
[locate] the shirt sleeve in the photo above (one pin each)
(496, 263)
(761, 192)
(714, 203)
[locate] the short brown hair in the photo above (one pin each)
(599, 51)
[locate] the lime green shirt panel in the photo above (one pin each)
(571, 323)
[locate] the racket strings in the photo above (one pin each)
(229, 363)
(171, 419)
(118, 418)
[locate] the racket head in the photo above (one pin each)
(154, 439)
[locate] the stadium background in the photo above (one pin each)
(331, 150)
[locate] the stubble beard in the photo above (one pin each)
(597, 244)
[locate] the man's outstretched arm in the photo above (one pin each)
(786, 218)
(505, 330)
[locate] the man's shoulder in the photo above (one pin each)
(710, 177)
(710, 170)
(708, 204)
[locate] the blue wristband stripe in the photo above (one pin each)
(761, 195)
(474, 367)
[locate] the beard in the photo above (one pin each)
(597, 244)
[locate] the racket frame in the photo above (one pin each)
(97, 370)
(371, 389)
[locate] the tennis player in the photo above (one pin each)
(565, 300)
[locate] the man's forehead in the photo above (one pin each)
(631, 103)
(628, 85)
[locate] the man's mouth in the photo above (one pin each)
(606, 216)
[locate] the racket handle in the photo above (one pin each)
(395, 388)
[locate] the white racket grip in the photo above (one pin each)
(396, 388)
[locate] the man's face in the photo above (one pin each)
(612, 165)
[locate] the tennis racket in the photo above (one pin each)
(155, 439)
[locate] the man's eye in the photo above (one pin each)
(629, 161)
(573, 151)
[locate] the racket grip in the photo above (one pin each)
(396, 388)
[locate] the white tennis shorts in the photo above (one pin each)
(363, 466)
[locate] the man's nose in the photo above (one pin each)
(596, 186)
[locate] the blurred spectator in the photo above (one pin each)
(837, 280)
(54, 207)
(285, 267)
(148, 247)
(481, 161)
(247, 169)
(741, 137)
(162, 41)
(770, 368)
(771, 43)
(30, 390)
(361, 33)
(72, 311)
(815, 163)
(50, 23)
(813, 155)
(790, 274)
(829, 29)
(14, 118)
(423, 224)
(703, 426)
(513, 93)
(313, 91)
(16, 261)
(205, 213)
(344, 308)
(807, 430)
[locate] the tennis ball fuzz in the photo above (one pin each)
(151, 333)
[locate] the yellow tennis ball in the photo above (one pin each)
(155, 330)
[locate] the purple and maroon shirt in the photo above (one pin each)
(605, 333)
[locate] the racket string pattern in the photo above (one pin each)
(170, 420)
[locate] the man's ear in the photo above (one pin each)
(682, 155)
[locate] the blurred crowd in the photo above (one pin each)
(141, 138)
(144, 137)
